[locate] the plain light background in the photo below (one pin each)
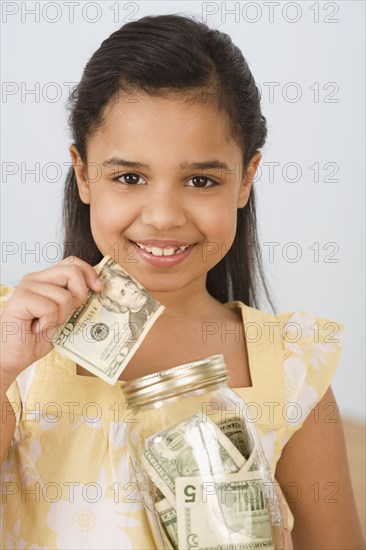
(308, 59)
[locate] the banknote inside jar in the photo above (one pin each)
(204, 486)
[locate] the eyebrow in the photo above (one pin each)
(206, 165)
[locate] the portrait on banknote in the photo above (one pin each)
(106, 330)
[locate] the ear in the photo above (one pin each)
(80, 174)
(246, 184)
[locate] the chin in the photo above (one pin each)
(166, 288)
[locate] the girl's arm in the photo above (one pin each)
(7, 416)
(314, 476)
(46, 299)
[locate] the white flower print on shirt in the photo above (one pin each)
(300, 397)
(318, 354)
(305, 328)
(297, 410)
(13, 542)
(301, 322)
(88, 519)
(117, 434)
(304, 354)
(268, 441)
(295, 374)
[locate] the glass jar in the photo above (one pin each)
(198, 461)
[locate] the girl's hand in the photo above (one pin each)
(39, 305)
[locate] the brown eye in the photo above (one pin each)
(129, 178)
(201, 181)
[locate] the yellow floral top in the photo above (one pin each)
(67, 481)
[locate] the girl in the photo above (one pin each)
(168, 112)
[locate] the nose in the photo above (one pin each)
(131, 288)
(164, 210)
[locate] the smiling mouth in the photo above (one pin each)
(167, 251)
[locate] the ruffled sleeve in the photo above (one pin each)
(312, 348)
(13, 393)
(5, 293)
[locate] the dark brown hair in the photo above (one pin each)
(162, 55)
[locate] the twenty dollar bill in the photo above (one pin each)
(106, 330)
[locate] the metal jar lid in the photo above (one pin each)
(170, 382)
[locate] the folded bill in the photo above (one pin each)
(195, 446)
(168, 515)
(211, 497)
(106, 330)
(222, 513)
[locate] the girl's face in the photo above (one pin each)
(163, 175)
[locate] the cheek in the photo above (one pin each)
(108, 215)
(219, 226)
(220, 222)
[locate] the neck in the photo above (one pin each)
(192, 300)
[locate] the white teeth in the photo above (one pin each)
(168, 251)
(156, 251)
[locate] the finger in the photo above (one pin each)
(29, 306)
(66, 301)
(72, 277)
(91, 276)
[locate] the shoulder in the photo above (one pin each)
(303, 335)
(311, 347)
